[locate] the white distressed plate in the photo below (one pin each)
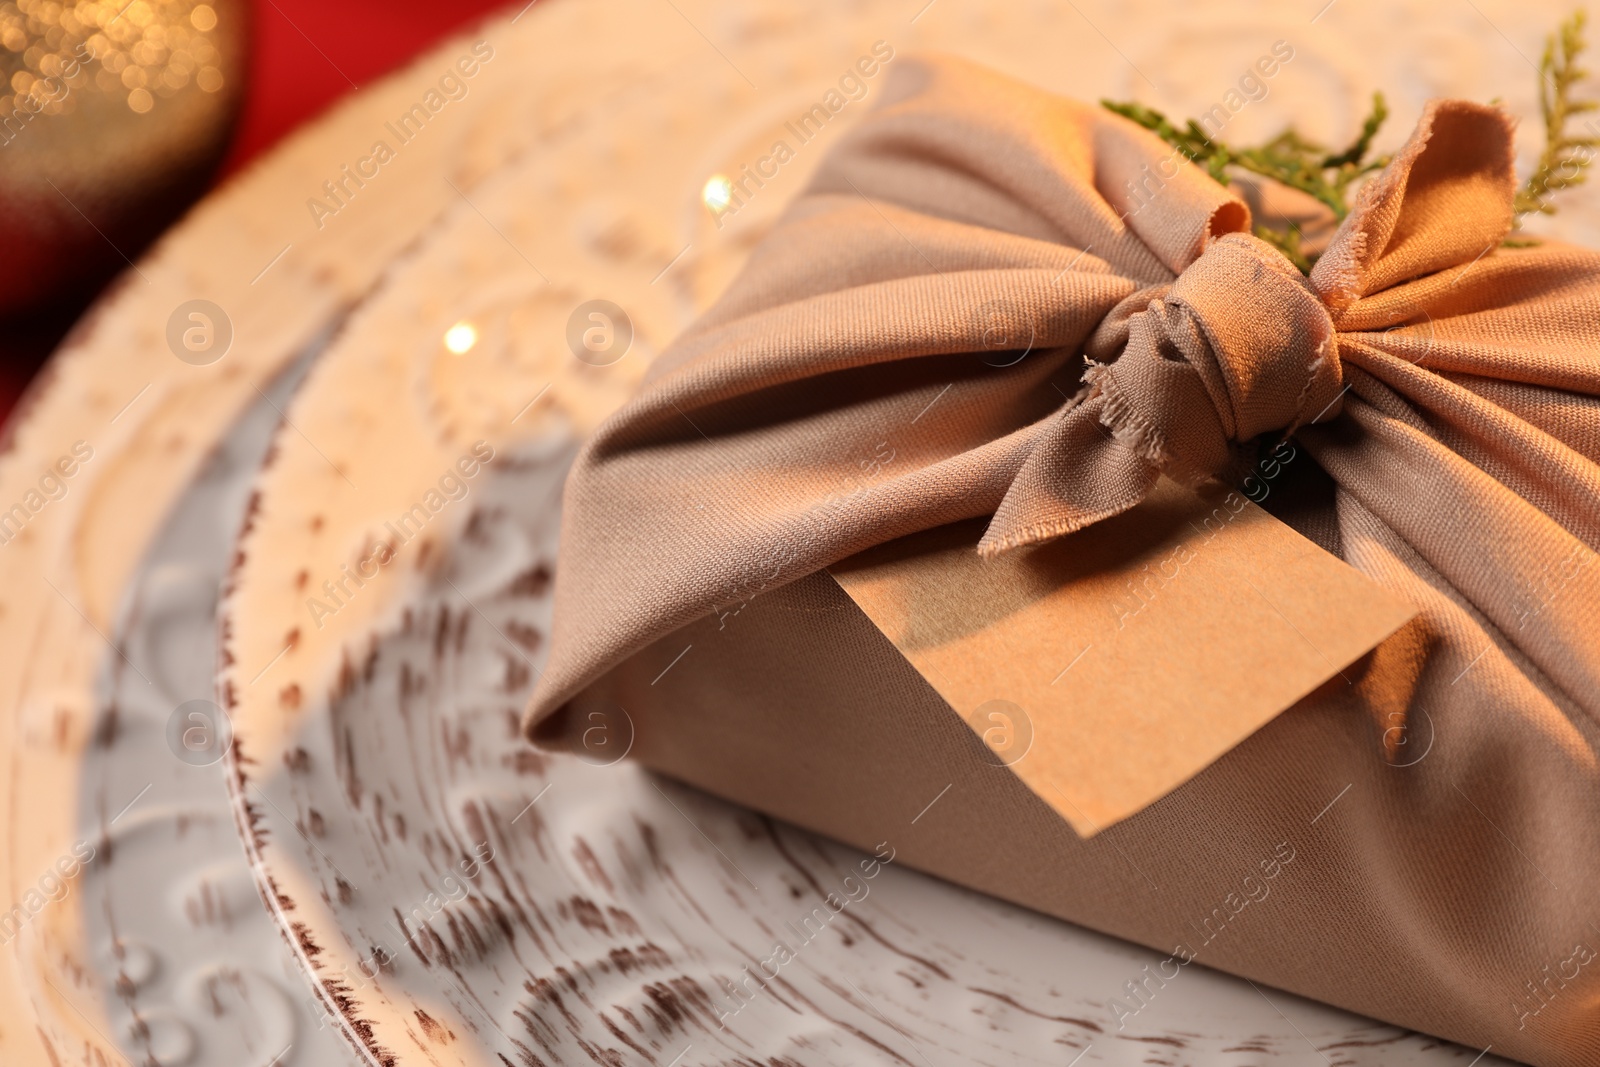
(193, 969)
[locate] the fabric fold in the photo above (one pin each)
(976, 309)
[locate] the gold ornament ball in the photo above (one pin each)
(113, 116)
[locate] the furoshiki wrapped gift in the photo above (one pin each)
(931, 532)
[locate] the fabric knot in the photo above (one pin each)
(1237, 347)
(1179, 376)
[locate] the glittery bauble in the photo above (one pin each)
(113, 116)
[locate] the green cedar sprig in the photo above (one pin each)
(1327, 176)
(1565, 157)
(1288, 158)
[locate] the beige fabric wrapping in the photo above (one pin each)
(865, 379)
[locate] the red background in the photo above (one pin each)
(304, 55)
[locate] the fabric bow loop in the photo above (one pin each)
(1237, 347)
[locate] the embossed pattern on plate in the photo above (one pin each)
(192, 969)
